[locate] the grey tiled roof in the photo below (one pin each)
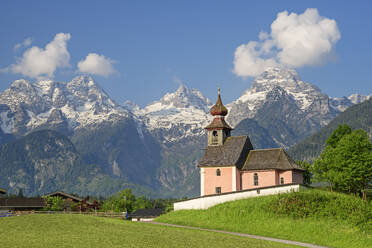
(275, 158)
(232, 153)
(218, 123)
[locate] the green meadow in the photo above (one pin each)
(314, 216)
(66, 230)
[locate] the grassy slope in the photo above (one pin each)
(89, 231)
(256, 216)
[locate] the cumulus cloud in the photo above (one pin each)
(295, 40)
(97, 64)
(42, 62)
(26, 43)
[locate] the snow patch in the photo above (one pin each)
(7, 124)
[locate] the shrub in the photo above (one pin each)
(319, 204)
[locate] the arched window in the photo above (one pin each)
(215, 138)
(281, 180)
(255, 179)
(218, 172)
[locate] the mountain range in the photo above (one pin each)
(154, 149)
(358, 116)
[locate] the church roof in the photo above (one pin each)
(232, 153)
(218, 123)
(219, 108)
(275, 158)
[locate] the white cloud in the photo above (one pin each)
(306, 39)
(40, 63)
(26, 43)
(97, 64)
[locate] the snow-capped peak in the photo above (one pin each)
(287, 79)
(357, 98)
(186, 109)
(80, 102)
(306, 96)
(183, 97)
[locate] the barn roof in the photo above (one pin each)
(232, 153)
(22, 202)
(275, 158)
(65, 195)
(147, 212)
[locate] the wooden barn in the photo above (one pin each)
(21, 203)
(84, 204)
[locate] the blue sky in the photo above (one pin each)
(152, 45)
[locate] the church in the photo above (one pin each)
(231, 164)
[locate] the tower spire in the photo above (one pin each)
(218, 129)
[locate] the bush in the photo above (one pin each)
(55, 203)
(319, 204)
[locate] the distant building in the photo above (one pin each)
(146, 214)
(21, 203)
(231, 164)
(84, 204)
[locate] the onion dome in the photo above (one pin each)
(218, 108)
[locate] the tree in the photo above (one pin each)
(142, 202)
(346, 162)
(338, 134)
(122, 201)
(55, 203)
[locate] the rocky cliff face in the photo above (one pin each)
(71, 105)
(308, 98)
(178, 115)
(105, 134)
(286, 107)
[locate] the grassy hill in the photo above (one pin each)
(61, 230)
(313, 216)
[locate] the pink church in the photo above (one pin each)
(231, 164)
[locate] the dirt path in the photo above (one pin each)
(289, 242)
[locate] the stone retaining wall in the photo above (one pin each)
(205, 202)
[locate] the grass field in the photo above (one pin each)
(62, 230)
(316, 217)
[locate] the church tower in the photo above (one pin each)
(218, 130)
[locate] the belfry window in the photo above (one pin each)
(255, 179)
(214, 138)
(218, 172)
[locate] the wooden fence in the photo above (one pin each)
(100, 214)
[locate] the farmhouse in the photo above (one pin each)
(231, 164)
(146, 214)
(83, 204)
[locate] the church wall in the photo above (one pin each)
(297, 177)
(211, 180)
(265, 178)
(206, 202)
(287, 176)
(238, 177)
